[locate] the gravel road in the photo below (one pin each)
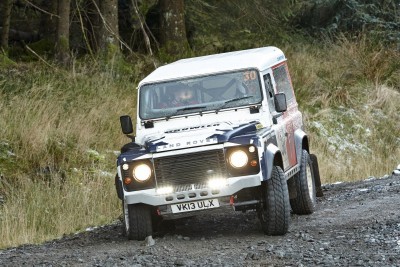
(356, 224)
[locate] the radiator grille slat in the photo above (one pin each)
(193, 168)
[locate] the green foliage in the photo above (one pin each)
(221, 26)
(5, 61)
(44, 48)
(377, 19)
(164, 53)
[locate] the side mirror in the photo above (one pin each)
(126, 124)
(280, 102)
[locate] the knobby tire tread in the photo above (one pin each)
(140, 224)
(302, 204)
(277, 208)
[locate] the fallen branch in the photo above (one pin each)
(39, 57)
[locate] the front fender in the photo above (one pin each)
(272, 157)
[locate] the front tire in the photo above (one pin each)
(274, 210)
(304, 186)
(137, 221)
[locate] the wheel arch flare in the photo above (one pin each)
(272, 156)
(301, 143)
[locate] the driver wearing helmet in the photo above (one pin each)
(183, 96)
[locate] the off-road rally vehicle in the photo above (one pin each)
(214, 131)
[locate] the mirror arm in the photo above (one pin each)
(275, 117)
(132, 137)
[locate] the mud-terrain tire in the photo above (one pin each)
(317, 177)
(274, 210)
(304, 184)
(137, 221)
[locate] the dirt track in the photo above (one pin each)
(356, 224)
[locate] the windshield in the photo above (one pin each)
(201, 94)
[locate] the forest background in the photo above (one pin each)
(69, 68)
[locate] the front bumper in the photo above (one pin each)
(150, 196)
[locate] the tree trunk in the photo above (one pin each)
(6, 15)
(62, 40)
(172, 27)
(108, 32)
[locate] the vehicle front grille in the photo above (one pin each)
(187, 169)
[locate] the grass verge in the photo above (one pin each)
(59, 135)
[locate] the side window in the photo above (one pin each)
(283, 83)
(270, 91)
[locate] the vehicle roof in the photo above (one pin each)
(260, 58)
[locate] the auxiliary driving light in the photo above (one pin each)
(217, 183)
(142, 172)
(238, 159)
(165, 190)
(125, 167)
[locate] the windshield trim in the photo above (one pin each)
(217, 109)
(201, 113)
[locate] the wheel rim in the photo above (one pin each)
(310, 182)
(126, 216)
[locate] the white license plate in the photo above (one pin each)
(196, 205)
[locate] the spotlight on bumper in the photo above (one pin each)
(165, 190)
(217, 183)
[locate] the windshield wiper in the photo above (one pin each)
(183, 109)
(232, 100)
(190, 108)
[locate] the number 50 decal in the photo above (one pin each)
(249, 75)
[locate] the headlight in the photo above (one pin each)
(238, 159)
(142, 172)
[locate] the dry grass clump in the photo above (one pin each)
(53, 118)
(38, 210)
(330, 74)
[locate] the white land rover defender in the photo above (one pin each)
(213, 131)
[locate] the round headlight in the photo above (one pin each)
(238, 159)
(142, 172)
